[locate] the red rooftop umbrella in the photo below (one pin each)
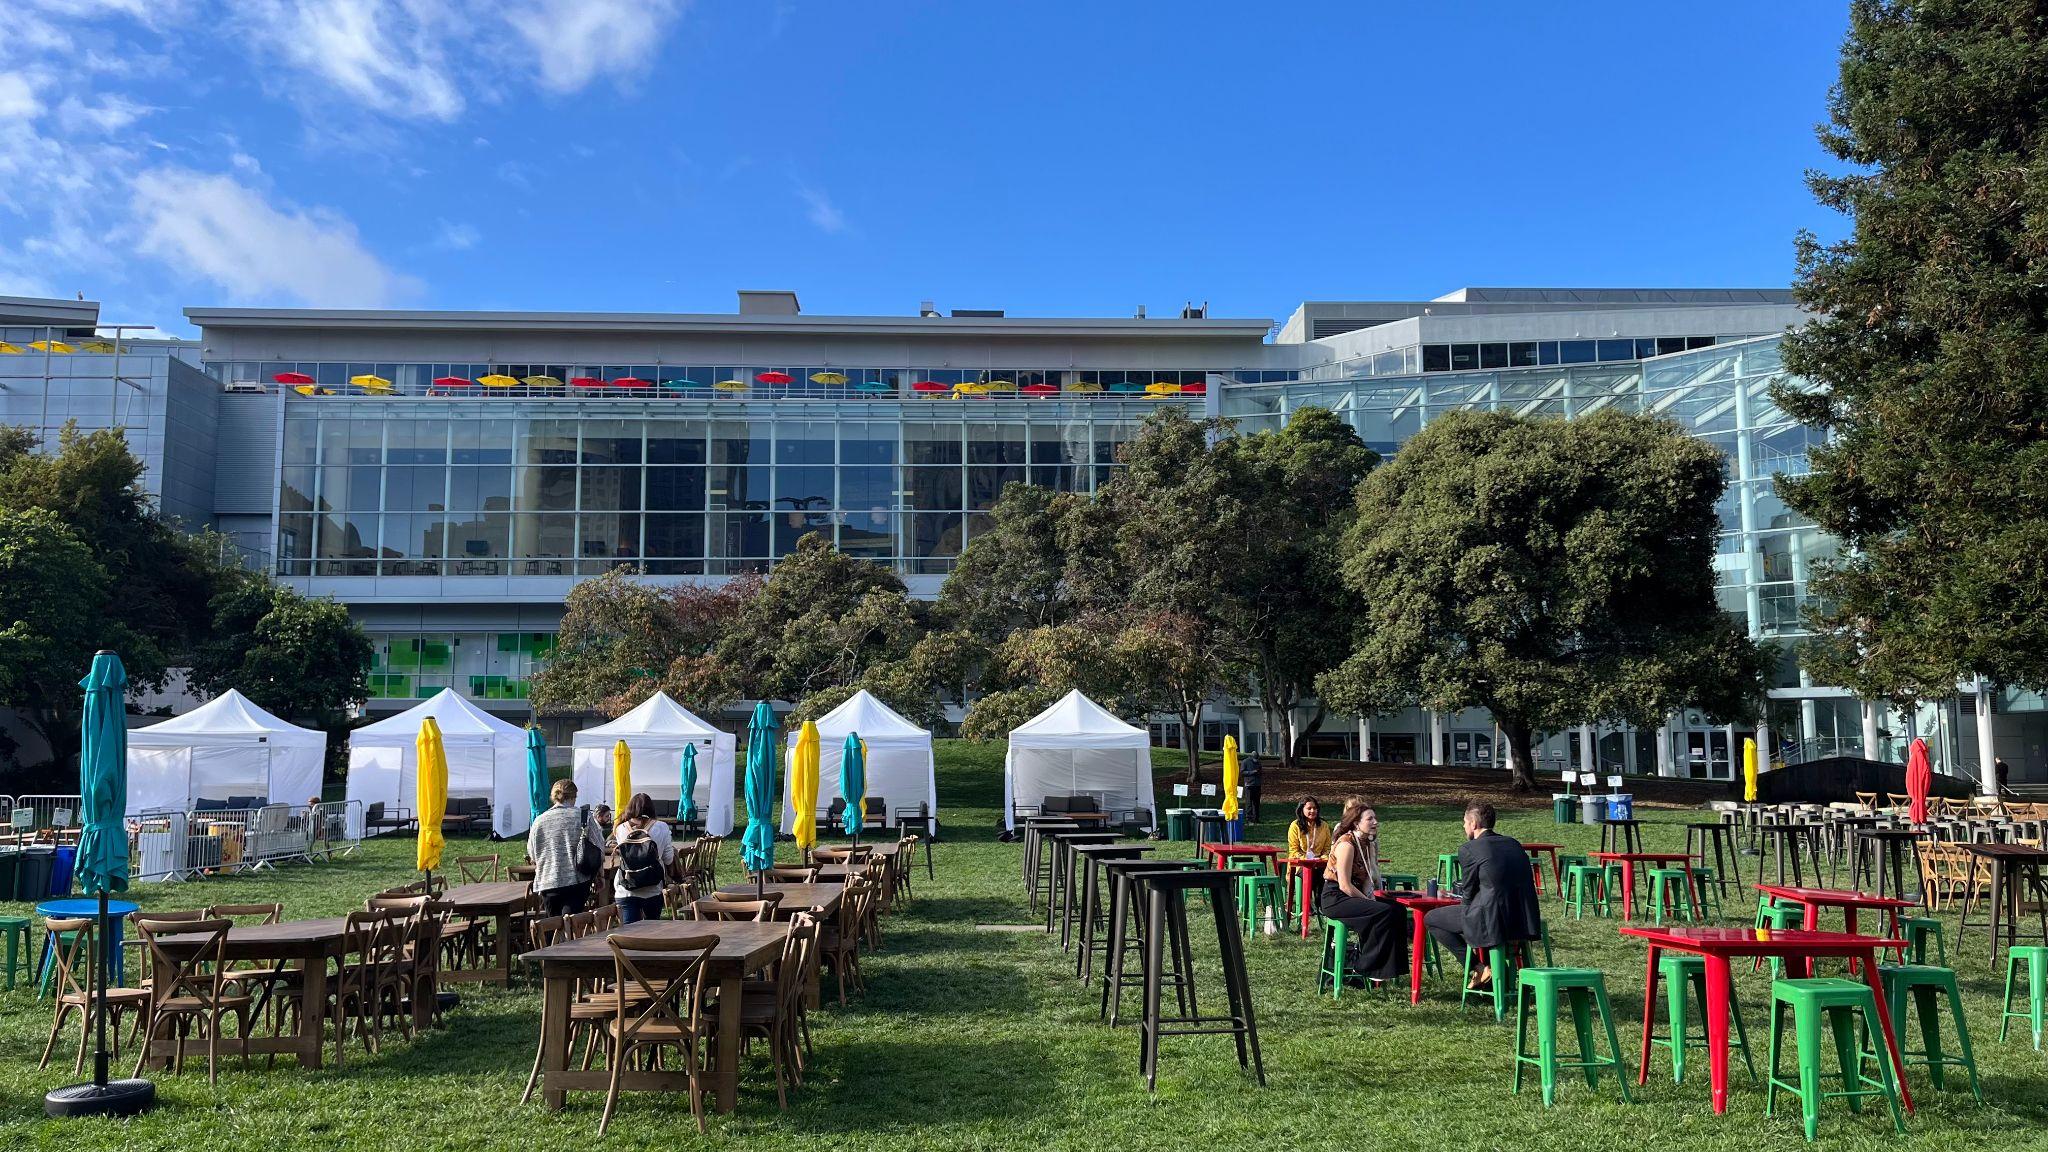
(292, 378)
(929, 386)
(632, 382)
(585, 382)
(453, 382)
(774, 377)
(1919, 779)
(1040, 390)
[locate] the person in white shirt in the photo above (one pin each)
(646, 849)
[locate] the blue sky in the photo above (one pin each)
(1046, 158)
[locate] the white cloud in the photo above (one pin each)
(576, 40)
(456, 236)
(110, 113)
(822, 213)
(229, 234)
(389, 56)
(18, 100)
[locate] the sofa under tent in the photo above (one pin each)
(229, 754)
(656, 732)
(486, 765)
(900, 769)
(1077, 749)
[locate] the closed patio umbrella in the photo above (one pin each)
(757, 845)
(803, 788)
(622, 775)
(1749, 770)
(853, 785)
(537, 771)
(1230, 775)
(1919, 780)
(103, 868)
(430, 786)
(686, 803)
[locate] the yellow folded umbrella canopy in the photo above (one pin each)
(51, 346)
(1230, 773)
(622, 775)
(803, 787)
(828, 377)
(10, 349)
(371, 383)
(430, 784)
(496, 380)
(541, 382)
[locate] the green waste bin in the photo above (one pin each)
(1180, 823)
(1561, 808)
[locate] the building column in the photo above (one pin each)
(1629, 767)
(1588, 762)
(1436, 738)
(1763, 744)
(1987, 753)
(1870, 731)
(1664, 748)
(1365, 738)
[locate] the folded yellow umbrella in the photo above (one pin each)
(1230, 773)
(803, 787)
(622, 776)
(430, 787)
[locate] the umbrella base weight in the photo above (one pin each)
(117, 1098)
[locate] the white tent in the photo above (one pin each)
(486, 758)
(1077, 748)
(900, 768)
(656, 732)
(226, 749)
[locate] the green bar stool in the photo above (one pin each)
(1611, 880)
(1448, 871)
(1924, 982)
(1566, 861)
(1785, 918)
(1764, 902)
(1336, 950)
(2035, 957)
(1917, 930)
(1257, 891)
(1680, 975)
(1496, 959)
(1401, 881)
(1836, 1003)
(15, 928)
(1706, 892)
(1667, 885)
(1536, 992)
(1587, 885)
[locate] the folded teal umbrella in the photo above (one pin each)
(853, 784)
(537, 772)
(757, 845)
(686, 805)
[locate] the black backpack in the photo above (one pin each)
(639, 861)
(589, 857)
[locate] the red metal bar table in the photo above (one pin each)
(1628, 873)
(1305, 872)
(1418, 905)
(1223, 854)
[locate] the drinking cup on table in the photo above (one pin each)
(1431, 889)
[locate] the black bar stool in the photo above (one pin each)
(1059, 898)
(1897, 844)
(1127, 932)
(1621, 835)
(1037, 869)
(1083, 883)
(1700, 837)
(1789, 842)
(1166, 930)
(1098, 884)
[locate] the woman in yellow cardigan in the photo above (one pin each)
(1308, 836)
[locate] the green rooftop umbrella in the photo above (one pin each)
(686, 803)
(537, 786)
(103, 868)
(853, 784)
(757, 846)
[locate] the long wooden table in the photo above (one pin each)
(743, 948)
(311, 944)
(820, 900)
(500, 900)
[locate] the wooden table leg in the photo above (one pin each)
(1649, 1016)
(556, 993)
(504, 966)
(312, 1011)
(1884, 1021)
(1718, 982)
(726, 1079)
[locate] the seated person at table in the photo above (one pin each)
(1378, 930)
(1308, 837)
(1499, 893)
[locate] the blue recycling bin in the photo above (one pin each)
(61, 868)
(1621, 806)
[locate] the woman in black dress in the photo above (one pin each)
(1379, 931)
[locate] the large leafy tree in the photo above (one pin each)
(302, 658)
(822, 619)
(1554, 573)
(1927, 358)
(622, 639)
(51, 595)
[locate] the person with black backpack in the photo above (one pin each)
(567, 851)
(646, 849)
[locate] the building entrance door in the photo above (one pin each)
(1703, 754)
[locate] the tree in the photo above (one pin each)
(622, 639)
(51, 594)
(821, 619)
(1553, 573)
(1283, 602)
(1926, 362)
(302, 658)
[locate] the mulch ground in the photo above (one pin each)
(1389, 784)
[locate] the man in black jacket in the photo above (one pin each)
(1498, 891)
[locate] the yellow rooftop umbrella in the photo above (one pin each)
(622, 776)
(731, 385)
(1230, 777)
(828, 377)
(312, 390)
(51, 346)
(1162, 388)
(101, 346)
(10, 349)
(1084, 386)
(970, 388)
(540, 382)
(803, 787)
(430, 785)
(1000, 385)
(497, 380)
(372, 384)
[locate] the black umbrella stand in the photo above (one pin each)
(102, 1097)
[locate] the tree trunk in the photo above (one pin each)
(1520, 739)
(1315, 721)
(1191, 740)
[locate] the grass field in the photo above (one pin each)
(978, 1039)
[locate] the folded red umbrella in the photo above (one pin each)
(1919, 780)
(453, 382)
(585, 382)
(774, 377)
(292, 378)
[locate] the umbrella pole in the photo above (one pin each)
(106, 957)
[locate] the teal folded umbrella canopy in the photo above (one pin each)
(853, 782)
(686, 805)
(103, 779)
(757, 845)
(537, 786)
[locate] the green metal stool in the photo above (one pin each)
(1247, 864)
(1336, 950)
(1257, 890)
(1764, 903)
(1536, 992)
(1917, 930)
(1680, 974)
(1706, 892)
(1496, 959)
(1566, 861)
(1784, 918)
(1448, 871)
(2035, 957)
(1611, 880)
(1836, 1003)
(16, 930)
(1669, 884)
(1583, 878)
(1401, 881)
(1924, 981)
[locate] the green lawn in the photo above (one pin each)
(974, 1039)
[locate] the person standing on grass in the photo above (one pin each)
(555, 845)
(1378, 930)
(1248, 775)
(1498, 891)
(646, 849)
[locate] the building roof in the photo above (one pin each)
(724, 323)
(39, 311)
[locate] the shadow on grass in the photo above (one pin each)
(916, 1082)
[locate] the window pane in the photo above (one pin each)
(681, 489)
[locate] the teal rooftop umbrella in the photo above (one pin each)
(853, 784)
(537, 772)
(757, 846)
(103, 868)
(686, 803)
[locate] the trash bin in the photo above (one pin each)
(1561, 807)
(1592, 809)
(10, 867)
(65, 859)
(1180, 823)
(32, 880)
(1621, 806)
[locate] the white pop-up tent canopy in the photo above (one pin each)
(656, 733)
(227, 751)
(486, 758)
(1077, 748)
(899, 768)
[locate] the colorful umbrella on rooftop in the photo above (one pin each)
(773, 377)
(312, 390)
(292, 378)
(372, 384)
(803, 788)
(10, 349)
(453, 382)
(731, 385)
(680, 382)
(51, 346)
(828, 377)
(1919, 780)
(537, 786)
(430, 784)
(757, 845)
(686, 801)
(928, 387)
(585, 382)
(497, 380)
(99, 346)
(540, 382)
(631, 382)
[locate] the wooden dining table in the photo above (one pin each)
(820, 900)
(743, 948)
(500, 901)
(310, 945)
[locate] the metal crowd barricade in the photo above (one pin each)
(52, 817)
(278, 832)
(173, 845)
(336, 828)
(156, 846)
